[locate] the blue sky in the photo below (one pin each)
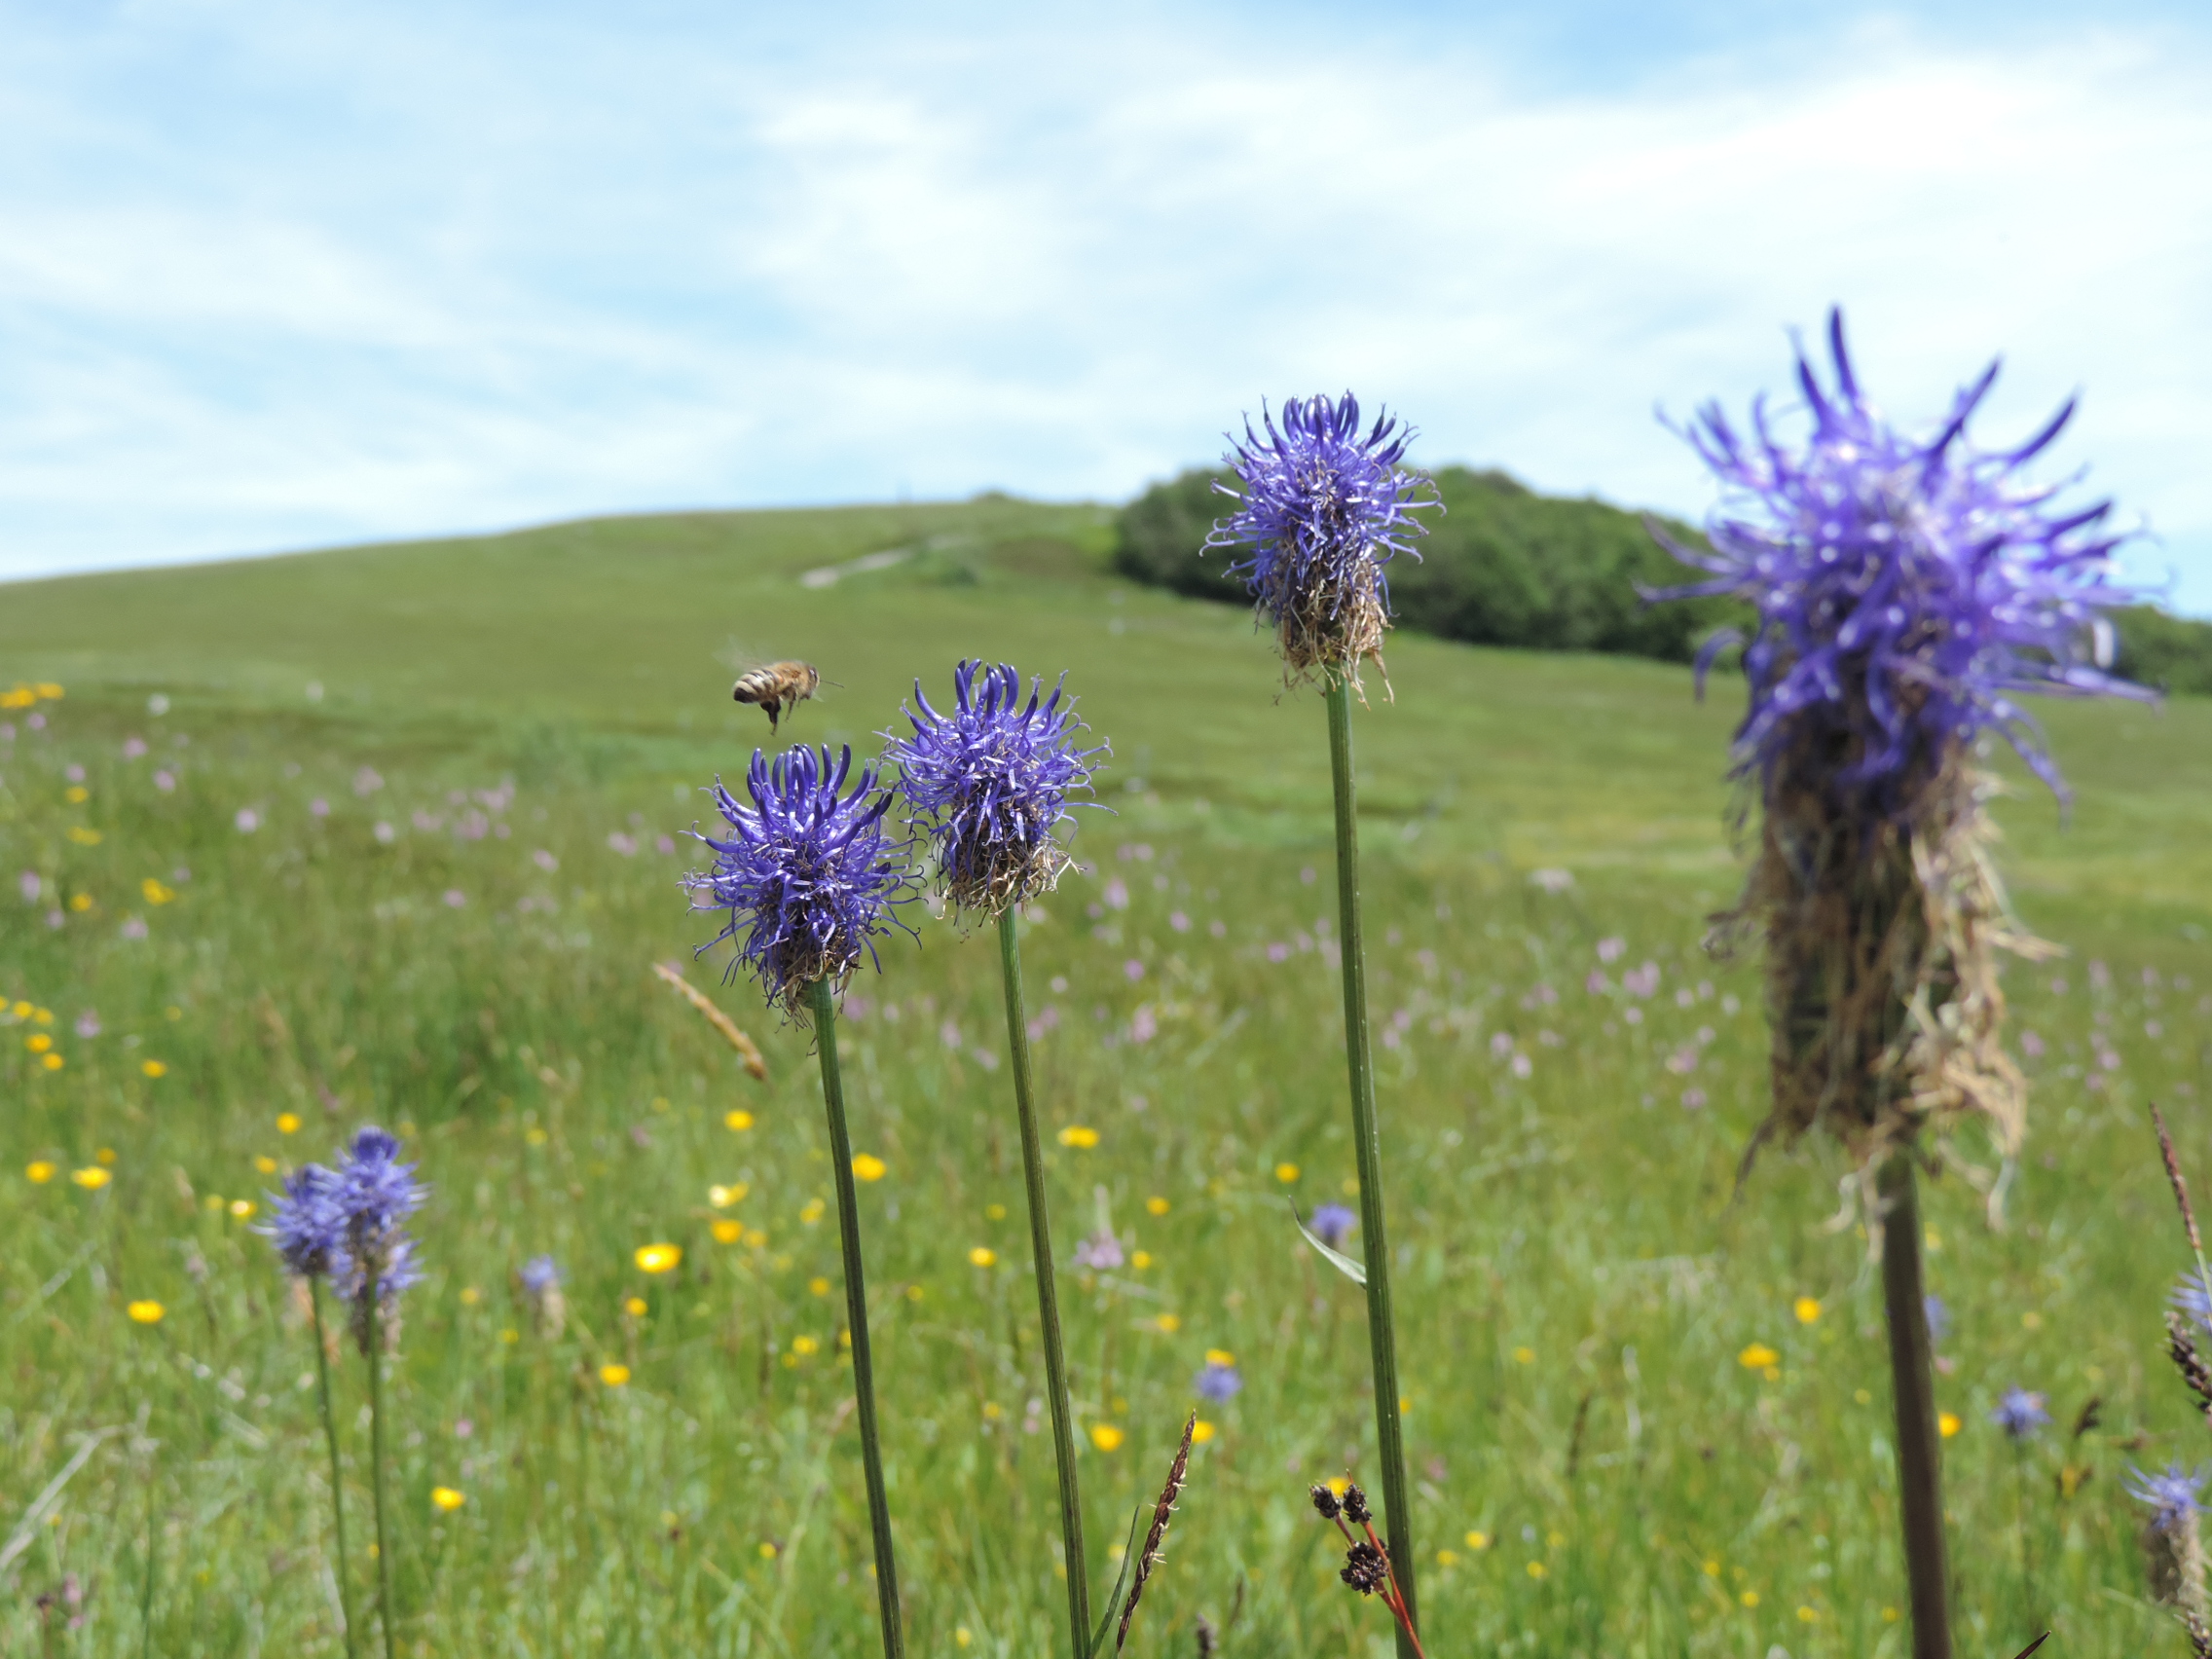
(285, 274)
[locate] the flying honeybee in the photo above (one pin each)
(777, 689)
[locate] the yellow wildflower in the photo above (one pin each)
(447, 1499)
(727, 1232)
(1538, 1569)
(994, 1212)
(1106, 1437)
(1286, 1173)
(635, 1306)
(266, 1164)
(811, 1212)
(80, 903)
(1169, 1323)
(154, 893)
(983, 1256)
(40, 1171)
(819, 1287)
(1750, 1597)
(1524, 1356)
(91, 1179)
(658, 1258)
(47, 689)
(1220, 1356)
(1808, 1616)
(52, 1063)
(1140, 1260)
(1478, 1540)
(870, 1167)
(738, 1120)
(1447, 1557)
(1201, 1431)
(613, 1373)
(722, 1197)
(154, 1068)
(1808, 1310)
(287, 1122)
(146, 1313)
(806, 1345)
(470, 1296)
(1157, 1205)
(241, 1208)
(76, 795)
(1079, 1135)
(38, 1042)
(1947, 1423)
(1758, 1357)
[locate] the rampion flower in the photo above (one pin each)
(989, 782)
(1333, 1224)
(2173, 1496)
(373, 1194)
(1320, 511)
(2190, 1297)
(540, 1275)
(1217, 1382)
(809, 877)
(2020, 1413)
(305, 1223)
(1908, 590)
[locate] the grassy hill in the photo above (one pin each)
(407, 864)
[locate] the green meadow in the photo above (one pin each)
(396, 834)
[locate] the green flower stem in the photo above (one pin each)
(1047, 1296)
(385, 1611)
(1920, 1478)
(1374, 1244)
(152, 1554)
(825, 1007)
(337, 1479)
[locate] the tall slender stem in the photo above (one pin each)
(153, 1557)
(374, 1326)
(1048, 1295)
(1367, 1141)
(337, 1478)
(1920, 1479)
(856, 1315)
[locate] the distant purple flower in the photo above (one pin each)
(1333, 1224)
(133, 748)
(307, 1225)
(1906, 590)
(2173, 1495)
(165, 781)
(1217, 1382)
(1101, 1251)
(88, 1024)
(989, 782)
(247, 821)
(366, 782)
(540, 1275)
(1320, 510)
(133, 927)
(2020, 1413)
(318, 807)
(456, 899)
(808, 875)
(31, 886)
(1939, 1317)
(384, 833)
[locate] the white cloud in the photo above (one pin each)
(577, 274)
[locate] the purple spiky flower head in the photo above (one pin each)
(1217, 1381)
(1333, 1224)
(2191, 1299)
(989, 784)
(306, 1225)
(373, 1194)
(1908, 590)
(2020, 1413)
(2173, 1495)
(808, 875)
(1320, 510)
(540, 1275)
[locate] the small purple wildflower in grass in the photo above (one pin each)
(1906, 590)
(1101, 1251)
(165, 781)
(247, 821)
(89, 1023)
(808, 875)
(2191, 1299)
(133, 748)
(1217, 1382)
(31, 886)
(1132, 970)
(133, 927)
(2020, 1413)
(990, 781)
(2173, 1495)
(1320, 510)
(1939, 1317)
(307, 1225)
(545, 861)
(1333, 1224)
(540, 1275)
(318, 807)
(456, 899)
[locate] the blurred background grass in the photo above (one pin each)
(1560, 1156)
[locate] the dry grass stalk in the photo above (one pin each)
(1881, 949)
(747, 1051)
(2179, 1186)
(1161, 1513)
(1334, 626)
